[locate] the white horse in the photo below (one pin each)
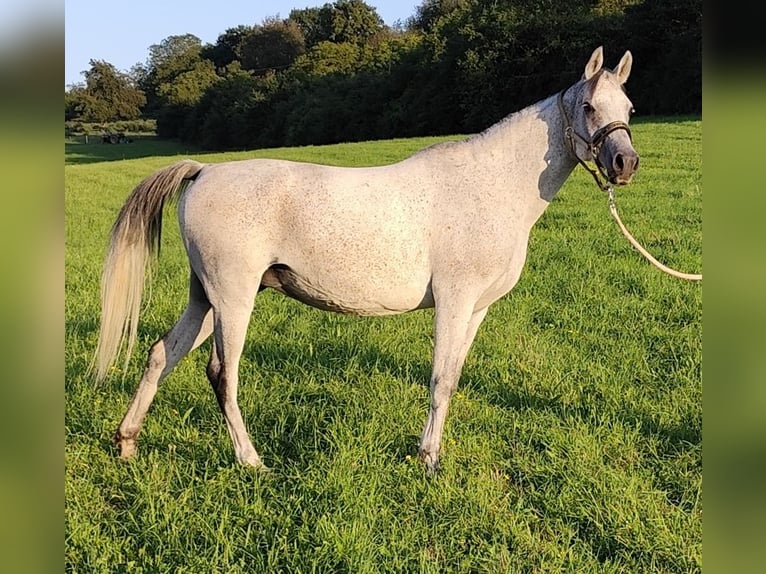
(445, 228)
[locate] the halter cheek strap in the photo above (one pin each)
(593, 145)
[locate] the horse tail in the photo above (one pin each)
(135, 238)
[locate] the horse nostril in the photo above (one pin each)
(625, 163)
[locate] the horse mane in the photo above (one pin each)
(440, 147)
(507, 121)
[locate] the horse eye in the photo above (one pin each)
(587, 107)
(632, 111)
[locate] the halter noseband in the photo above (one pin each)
(593, 145)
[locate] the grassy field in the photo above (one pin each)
(574, 443)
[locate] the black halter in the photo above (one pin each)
(593, 145)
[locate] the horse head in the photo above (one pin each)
(600, 111)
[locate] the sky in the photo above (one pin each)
(121, 32)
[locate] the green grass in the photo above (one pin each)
(574, 443)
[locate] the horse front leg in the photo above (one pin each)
(454, 331)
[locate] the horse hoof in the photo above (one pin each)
(259, 467)
(254, 461)
(431, 462)
(127, 447)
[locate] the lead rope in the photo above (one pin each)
(570, 134)
(639, 247)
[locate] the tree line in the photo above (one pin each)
(337, 73)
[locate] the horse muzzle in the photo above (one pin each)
(623, 166)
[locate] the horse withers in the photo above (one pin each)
(446, 228)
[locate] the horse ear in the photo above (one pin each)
(623, 68)
(595, 63)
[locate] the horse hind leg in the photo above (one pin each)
(191, 330)
(231, 319)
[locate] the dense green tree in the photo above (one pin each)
(336, 73)
(387, 49)
(228, 47)
(311, 25)
(329, 58)
(666, 38)
(274, 45)
(220, 120)
(175, 78)
(108, 95)
(187, 86)
(428, 15)
(353, 21)
(73, 98)
(343, 21)
(612, 7)
(174, 53)
(171, 58)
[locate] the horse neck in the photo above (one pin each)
(528, 147)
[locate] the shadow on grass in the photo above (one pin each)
(296, 435)
(673, 437)
(77, 152)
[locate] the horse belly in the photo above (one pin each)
(356, 294)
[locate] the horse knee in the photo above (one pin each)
(442, 390)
